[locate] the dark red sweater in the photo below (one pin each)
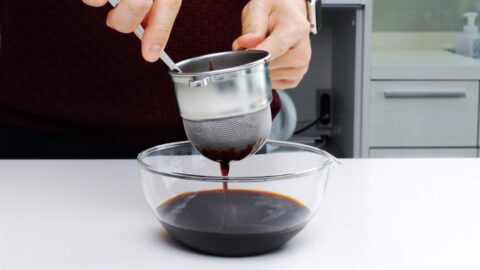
(62, 69)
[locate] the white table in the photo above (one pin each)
(377, 214)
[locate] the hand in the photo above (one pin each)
(280, 27)
(158, 16)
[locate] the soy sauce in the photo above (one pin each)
(251, 222)
(224, 157)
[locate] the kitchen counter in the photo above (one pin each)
(377, 214)
(422, 64)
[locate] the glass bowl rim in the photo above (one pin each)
(331, 160)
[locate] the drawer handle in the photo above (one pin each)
(402, 94)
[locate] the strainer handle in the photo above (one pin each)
(139, 33)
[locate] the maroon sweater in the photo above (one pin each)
(62, 69)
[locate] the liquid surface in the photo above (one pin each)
(249, 222)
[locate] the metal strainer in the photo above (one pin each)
(231, 138)
(226, 112)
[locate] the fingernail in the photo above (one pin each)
(154, 53)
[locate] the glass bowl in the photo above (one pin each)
(266, 199)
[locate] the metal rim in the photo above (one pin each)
(229, 115)
(331, 160)
(264, 59)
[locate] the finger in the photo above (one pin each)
(298, 57)
(284, 84)
(255, 23)
(292, 74)
(255, 17)
(247, 41)
(160, 24)
(128, 15)
(284, 36)
(95, 3)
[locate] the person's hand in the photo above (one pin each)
(280, 27)
(158, 17)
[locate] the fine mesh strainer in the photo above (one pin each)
(226, 111)
(231, 138)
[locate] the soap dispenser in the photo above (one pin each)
(468, 43)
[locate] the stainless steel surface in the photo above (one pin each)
(238, 85)
(226, 111)
(312, 16)
(424, 94)
(336, 69)
(139, 33)
(235, 137)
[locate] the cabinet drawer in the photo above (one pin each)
(423, 153)
(423, 114)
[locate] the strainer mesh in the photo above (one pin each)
(231, 138)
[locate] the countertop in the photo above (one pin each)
(377, 214)
(422, 64)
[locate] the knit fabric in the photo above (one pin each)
(62, 69)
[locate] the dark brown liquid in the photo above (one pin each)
(224, 157)
(231, 223)
(224, 170)
(255, 221)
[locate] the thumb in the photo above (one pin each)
(254, 24)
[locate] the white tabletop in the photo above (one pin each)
(377, 214)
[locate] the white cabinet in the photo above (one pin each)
(421, 103)
(424, 113)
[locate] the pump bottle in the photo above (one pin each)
(468, 43)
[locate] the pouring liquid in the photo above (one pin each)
(224, 169)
